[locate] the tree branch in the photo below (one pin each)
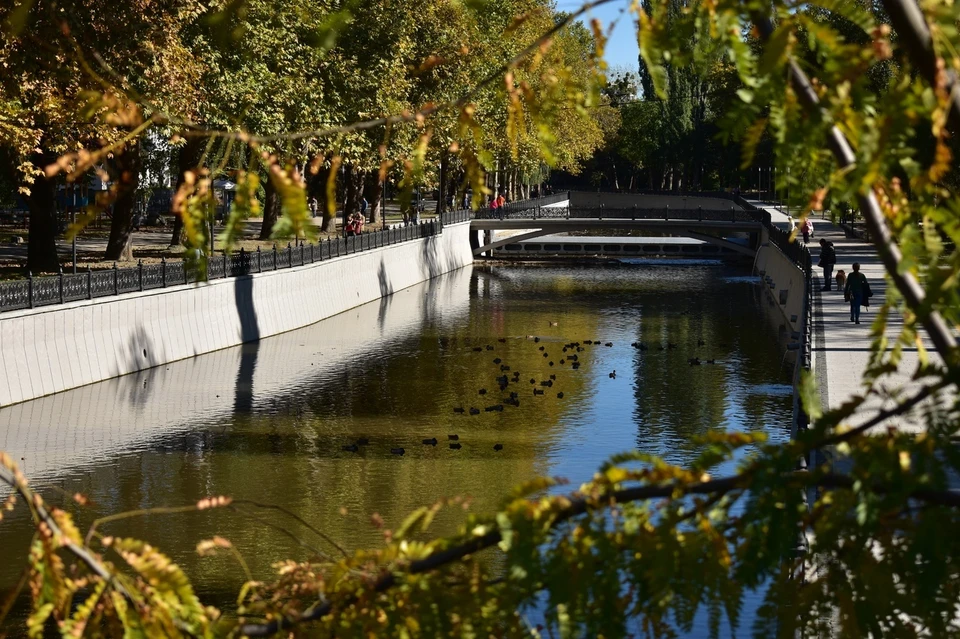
(908, 285)
(8, 477)
(578, 507)
(882, 416)
(914, 34)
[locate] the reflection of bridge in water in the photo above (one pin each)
(715, 220)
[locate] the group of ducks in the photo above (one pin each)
(693, 361)
(454, 442)
(569, 351)
(569, 354)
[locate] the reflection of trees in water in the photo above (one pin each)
(288, 451)
(676, 401)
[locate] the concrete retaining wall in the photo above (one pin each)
(75, 430)
(786, 278)
(44, 351)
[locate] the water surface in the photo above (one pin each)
(266, 422)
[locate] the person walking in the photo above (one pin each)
(313, 206)
(857, 291)
(828, 259)
(363, 206)
(807, 230)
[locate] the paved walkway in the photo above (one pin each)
(841, 349)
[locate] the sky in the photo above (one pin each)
(622, 50)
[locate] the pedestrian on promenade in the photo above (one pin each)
(807, 230)
(793, 224)
(313, 206)
(857, 291)
(828, 259)
(501, 201)
(363, 206)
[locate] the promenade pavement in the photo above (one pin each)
(842, 349)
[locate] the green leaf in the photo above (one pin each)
(329, 30)
(775, 50)
(17, 20)
(411, 520)
(810, 395)
(530, 487)
(37, 619)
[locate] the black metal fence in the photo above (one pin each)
(456, 217)
(800, 255)
(35, 292)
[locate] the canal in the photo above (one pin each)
(268, 422)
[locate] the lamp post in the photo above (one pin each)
(773, 185)
(770, 194)
(73, 223)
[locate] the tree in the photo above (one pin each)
(64, 107)
(647, 542)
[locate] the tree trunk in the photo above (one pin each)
(42, 243)
(190, 157)
(329, 224)
(271, 210)
(351, 203)
(442, 191)
(374, 189)
(127, 166)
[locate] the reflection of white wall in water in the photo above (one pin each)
(80, 427)
(48, 350)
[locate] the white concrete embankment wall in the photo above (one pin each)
(787, 280)
(75, 430)
(48, 350)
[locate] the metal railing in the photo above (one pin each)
(666, 213)
(35, 292)
(455, 217)
(488, 213)
(800, 255)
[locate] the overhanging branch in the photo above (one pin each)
(908, 285)
(575, 508)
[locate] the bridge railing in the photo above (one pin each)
(798, 253)
(488, 213)
(699, 214)
(34, 292)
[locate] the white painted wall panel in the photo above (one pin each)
(52, 349)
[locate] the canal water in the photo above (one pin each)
(267, 422)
